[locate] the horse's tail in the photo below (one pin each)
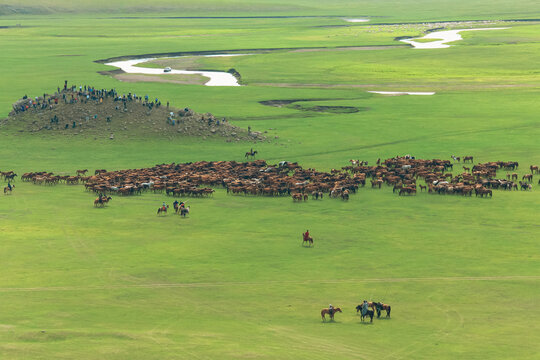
(388, 311)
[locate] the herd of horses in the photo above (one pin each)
(258, 178)
(373, 308)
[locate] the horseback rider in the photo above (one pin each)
(330, 309)
(9, 186)
(306, 236)
(364, 308)
(164, 206)
(175, 204)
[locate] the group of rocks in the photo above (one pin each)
(87, 110)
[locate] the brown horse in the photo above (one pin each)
(380, 306)
(162, 209)
(326, 311)
(82, 172)
(7, 190)
(101, 201)
(468, 158)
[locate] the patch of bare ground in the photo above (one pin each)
(315, 108)
(351, 48)
(174, 79)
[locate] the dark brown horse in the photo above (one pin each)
(327, 311)
(380, 306)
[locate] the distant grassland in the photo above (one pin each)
(381, 11)
(232, 280)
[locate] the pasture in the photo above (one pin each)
(232, 280)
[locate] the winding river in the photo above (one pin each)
(220, 78)
(216, 78)
(444, 36)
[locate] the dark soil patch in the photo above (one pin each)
(112, 72)
(316, 108)
(281, 103)
(330, 109)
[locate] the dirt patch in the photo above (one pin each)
(317, 108)
(330, 109)
(351, 48)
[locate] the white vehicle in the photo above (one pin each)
(167, 69)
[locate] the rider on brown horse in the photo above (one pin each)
(306, 236)
(331, 310)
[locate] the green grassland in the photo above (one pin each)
(232, 280)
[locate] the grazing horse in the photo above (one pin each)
(251, 153)
(7, 190)
(162, 209)
(326, 311)
(184, 211)
(369, 313)
(527, 177)
(468, 158)
(380, 306)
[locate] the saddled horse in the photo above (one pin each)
(7, 190)
(380, 306)
(308, 240)
(101, 201)
(251, 153)
(369, 312)
(327, 311)
(178, 206)
(162, 209)
(184, 211)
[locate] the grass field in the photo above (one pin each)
(232, 280)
